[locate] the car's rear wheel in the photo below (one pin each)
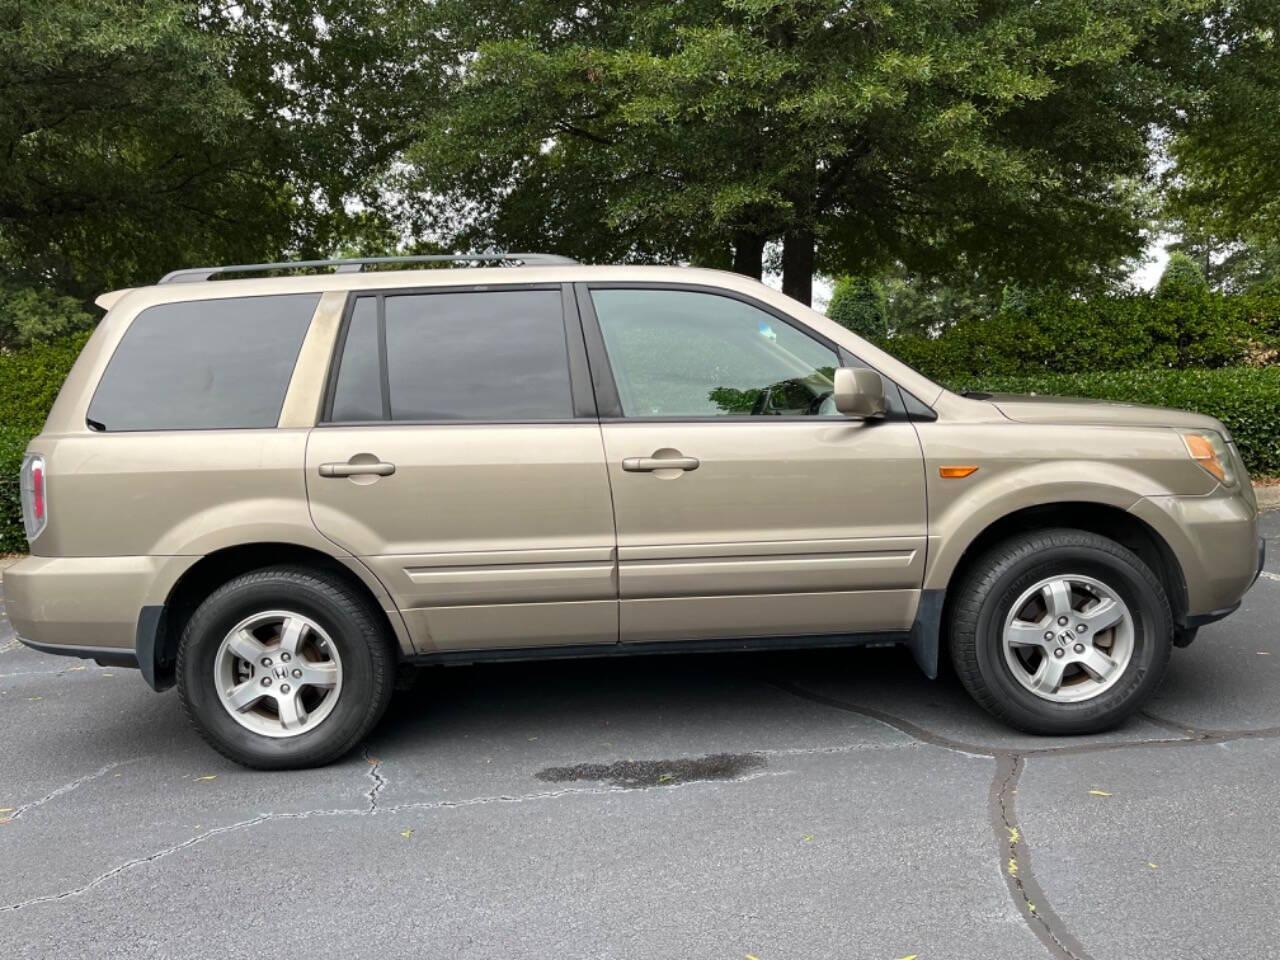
(284, 668)
(1060, 632)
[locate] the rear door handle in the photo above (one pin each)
(357, 469)
(649, 464)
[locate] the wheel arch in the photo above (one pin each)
(1106, 520)
(160, 626)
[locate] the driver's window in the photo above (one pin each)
(680, 353)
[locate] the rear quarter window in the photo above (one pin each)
(204, 365)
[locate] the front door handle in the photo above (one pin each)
(650, 464)
(357, 469)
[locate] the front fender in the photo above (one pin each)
(958, 518)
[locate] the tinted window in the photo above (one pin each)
(204, 364)
(677, 353)
(480, 356)
(358, 392)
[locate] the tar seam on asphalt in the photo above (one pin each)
(639, 774)
(1015, 853)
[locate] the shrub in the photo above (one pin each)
(861, 305)
(12, 444)
(1062, 335)
(1246, 400)
(29, 383)
(1182, 279)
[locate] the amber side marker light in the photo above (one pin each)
(955, 473)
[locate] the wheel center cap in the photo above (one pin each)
(1066, 638)
(280, 673)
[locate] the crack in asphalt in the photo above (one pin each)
(67, 788)
(41, 673)
(411, 807)
(167, 851)
(374, 774)
(1014, 849)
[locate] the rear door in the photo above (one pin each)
(776, 516)
(460, 458)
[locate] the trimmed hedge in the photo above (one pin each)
(1246, 399)
(29, 382)
(1110, 333)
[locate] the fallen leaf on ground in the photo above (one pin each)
(212, 776)
(665, 777)
(1152, 866)
(910, 956)
(808, 837)
(1099, 793)
(373, 760)
(406, 833)
(6, 809)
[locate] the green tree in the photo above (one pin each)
(860, 304)
(33, 315)
(1224, 187)
(1182, 279)
(141, 135)
(996, 137)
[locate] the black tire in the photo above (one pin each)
(366, 651)
(994, 582)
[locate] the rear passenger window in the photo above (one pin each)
(358, 392)
(203, 364)
(493, 355)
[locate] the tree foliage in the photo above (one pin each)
(1224, 188)
(1000, 137)
(35, 315)
(141, 135)
(860, 304)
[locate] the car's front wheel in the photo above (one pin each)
(1060, 632)
(284, 668)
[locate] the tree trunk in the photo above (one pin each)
(798, 258)
(748, 255)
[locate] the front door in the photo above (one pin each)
(461, 460)
(745, 505)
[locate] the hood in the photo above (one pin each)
(1067, 410)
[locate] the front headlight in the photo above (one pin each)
(1208, 449)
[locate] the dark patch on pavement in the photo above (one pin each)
(638, 774)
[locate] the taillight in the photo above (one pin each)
(35, 506)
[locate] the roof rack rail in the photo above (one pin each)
(357, 264)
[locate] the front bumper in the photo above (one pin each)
(1215, 541)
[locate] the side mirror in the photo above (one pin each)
(859, 392)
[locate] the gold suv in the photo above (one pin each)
(274, 490)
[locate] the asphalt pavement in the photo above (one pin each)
(830, 804)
